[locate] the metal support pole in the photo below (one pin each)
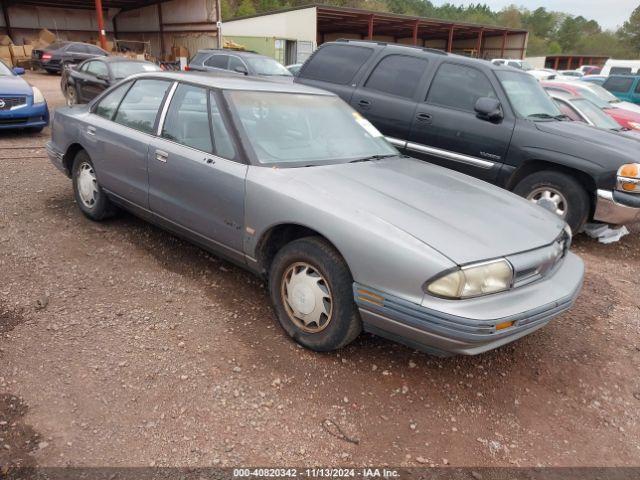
(479, 46)
(504, 44)
(415, 32)
(161, 28)
(450, 42)
(5, 11)
(370, 34)
(101, 33)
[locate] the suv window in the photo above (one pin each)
(97, 68)
(140, 105)
(222, 140)
(637, 89)
(187, 120)
(217, 61)
(620, 71)
(397, 75)
(336, 63)
(619, 84)
(235, 62)
(459, 86)
(109, 104)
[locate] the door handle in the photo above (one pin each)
(424, 117)
(364, 104)
(91, 130)
(162, 156)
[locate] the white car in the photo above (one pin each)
(540, 74)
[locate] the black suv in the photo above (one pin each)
(53, 58)
(492, 122)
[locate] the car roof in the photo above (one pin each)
(116, 58)
(240, 53)
(426, 50)
(234, 82)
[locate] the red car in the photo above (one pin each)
(625, 118)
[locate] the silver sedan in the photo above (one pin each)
(292, 184)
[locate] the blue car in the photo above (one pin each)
(21, 105)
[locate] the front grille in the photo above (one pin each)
(7, 103)
(12, 121)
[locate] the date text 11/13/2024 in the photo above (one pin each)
(316, 472)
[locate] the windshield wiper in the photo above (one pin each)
(546, 116)
(373, 157)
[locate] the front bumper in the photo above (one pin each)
(27, 116)
(56, 157)
(617, 208)
(471, 330)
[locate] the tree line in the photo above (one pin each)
(550, 32)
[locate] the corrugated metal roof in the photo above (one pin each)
(85, 4)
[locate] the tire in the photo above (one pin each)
(49, 71)
(307, 259)
(71, 95)
(94, 204)
(36, 129)
(573, 196)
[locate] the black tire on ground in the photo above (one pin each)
(344, 323)
(101, 208)
(578, 205)
(50, 72)
(36, 129)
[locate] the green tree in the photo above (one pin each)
(630, 31)
(245, 8)
(568, 34)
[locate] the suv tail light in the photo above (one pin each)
(46, 56)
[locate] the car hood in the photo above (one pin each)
(594, 140)
(623, 114)
(14, 85)
(463, 218)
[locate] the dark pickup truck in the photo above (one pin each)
(492, 122)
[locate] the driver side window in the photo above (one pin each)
(459, 86)
(97, 68)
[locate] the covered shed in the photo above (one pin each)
(290, 35)
(160, 24)
(571, 62)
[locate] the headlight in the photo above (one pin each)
(634, 125)
(629, 178)
(473, 280)
(37, 96)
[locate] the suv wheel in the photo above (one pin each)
(312, 293)
(558, 193)
(90, 197)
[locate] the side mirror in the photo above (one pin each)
(18, 70)
(241, 69)
(489, 109)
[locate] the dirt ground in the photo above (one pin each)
(121, 345)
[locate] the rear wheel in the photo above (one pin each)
(90, 197)
(558, 193)
(311, 291)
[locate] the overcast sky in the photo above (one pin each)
(609, 13)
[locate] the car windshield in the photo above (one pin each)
(124, 69)
(267, 66)
(4, 70)
(289, 129)
(595, 114)
(527, 97)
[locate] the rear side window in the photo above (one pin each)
(619, 84)
(217, 61)
(107, 107)
(459, 86)
(222, 140)
(397, 75)
(187, 120)
(140, 105)
(336, 63)
(637, 89)
(78, 48)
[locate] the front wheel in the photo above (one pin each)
(558, 193)
(311, 291)
(90, 197)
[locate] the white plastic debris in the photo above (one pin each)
(604, 233)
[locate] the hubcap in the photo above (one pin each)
(551, 199)
(307, 297)
(87, 185)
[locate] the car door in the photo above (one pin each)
(118, 133)
(96, 79)
(387, 98)
(446, 130)
(79, 76)
(195, 180)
